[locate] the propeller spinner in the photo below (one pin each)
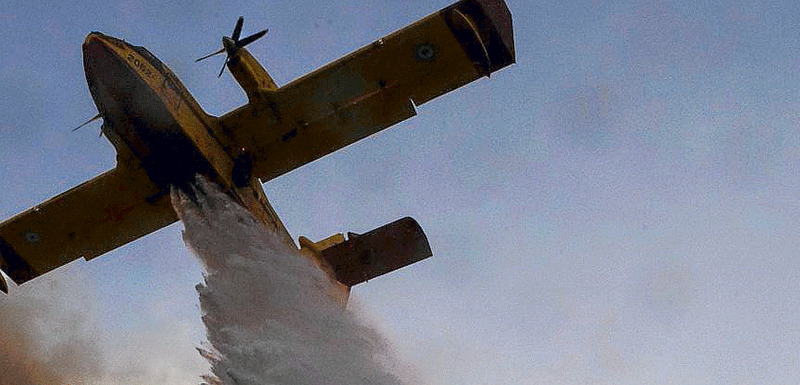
(233, 43)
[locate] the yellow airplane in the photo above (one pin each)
(163, 138)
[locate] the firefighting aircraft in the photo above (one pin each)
(163, 138)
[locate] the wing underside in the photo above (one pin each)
(93, 218)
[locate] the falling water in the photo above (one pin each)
(267, 309)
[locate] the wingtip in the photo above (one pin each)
(12, 264)
(3, 284)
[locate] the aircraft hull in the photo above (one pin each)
(144, 108)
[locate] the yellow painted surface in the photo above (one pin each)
(349, 99)
(280, 129)
(253, 78)
(89, 220)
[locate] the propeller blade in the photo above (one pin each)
(208, 56)
(223, 66)
(98, 116)
(231, 44)
(238, 29)
(251, 38)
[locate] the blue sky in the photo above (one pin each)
(618, 207)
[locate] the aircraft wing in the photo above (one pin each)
(93, 218)
(372, 88)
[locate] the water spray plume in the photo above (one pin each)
(267, 309)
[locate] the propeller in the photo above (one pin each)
(233, 43)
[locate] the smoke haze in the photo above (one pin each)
(46, 341)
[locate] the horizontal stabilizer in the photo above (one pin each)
(366, 256)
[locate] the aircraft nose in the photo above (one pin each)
(101, 51)
(95, 53)
(97, 60)
(93, 36)
(99, 37)
(96, 48)
(106, 72)
(93, 41)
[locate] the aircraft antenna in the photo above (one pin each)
(98, 116)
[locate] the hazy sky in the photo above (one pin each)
(618, 207)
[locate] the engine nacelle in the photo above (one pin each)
(249, 73)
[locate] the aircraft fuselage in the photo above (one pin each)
(149, 116)
(154, 123)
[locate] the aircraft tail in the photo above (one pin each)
(365, 256)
